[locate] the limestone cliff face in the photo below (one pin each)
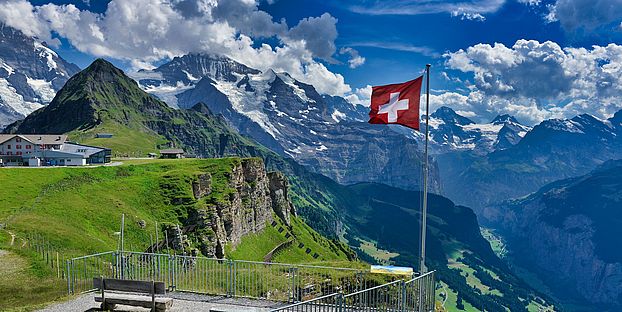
(252, 199)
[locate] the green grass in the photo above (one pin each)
(450, 303)
(496, 242)
(256, 246)
(381, 255)
(125, 141)
(78, 210)
(26, 283)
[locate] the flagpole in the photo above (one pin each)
(424, 210)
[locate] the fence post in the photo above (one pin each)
(292, 274)
(340, 303)
(68, 276)
(173, 267)
(403, 303)
(230, 279)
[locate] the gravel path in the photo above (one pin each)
(183, 302)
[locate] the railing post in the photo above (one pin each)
(174, 270)
(340, 303)
(292, 274)
(403, 300)
(68, 276)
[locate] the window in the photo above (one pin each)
(8, 146)
(9, 153)
(68, 160)
(18, 140)
(29, 146)
(18, 153)
(18, 146)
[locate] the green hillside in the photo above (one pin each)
(78, 210)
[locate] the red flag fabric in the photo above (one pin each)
(396, 104)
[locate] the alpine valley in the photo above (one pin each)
(102, 98)
(281, 151)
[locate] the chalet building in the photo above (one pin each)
(172, 153)
(48, 150)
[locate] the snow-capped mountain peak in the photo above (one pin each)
(30, 74)
(286, 115)
(503, 119)
(449, 131)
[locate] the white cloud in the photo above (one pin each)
(397, 47)
(19, 14)
(585, 14)
(474, 9)
(530, 2)
(355, 60)
(535, 81)
(146, 31)
(361, 96)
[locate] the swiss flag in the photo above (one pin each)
(396, 104)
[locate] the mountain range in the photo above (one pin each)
(102, 97)
(554, 149)
(213, 106)
(327, 134)
(30, 74)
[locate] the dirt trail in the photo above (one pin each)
(12, 238)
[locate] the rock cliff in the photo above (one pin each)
(222, 210)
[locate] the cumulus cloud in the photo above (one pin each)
(473, 10)
(535, 80)
(318, 34)
(361, 96)
(585, 14)
(355, 60)
(20, 14)
(145, 31)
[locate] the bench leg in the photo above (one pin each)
(108, 306)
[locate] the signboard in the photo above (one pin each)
(389, 269)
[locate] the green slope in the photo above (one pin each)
(78, 211)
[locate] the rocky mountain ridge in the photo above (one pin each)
(327, 134)
(30, 74)
(554, 149)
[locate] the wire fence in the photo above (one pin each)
(414, 295)
(46, 252)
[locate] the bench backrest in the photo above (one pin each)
(129, 286)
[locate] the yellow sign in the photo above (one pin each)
(389, 269)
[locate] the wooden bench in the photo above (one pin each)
(134, 294)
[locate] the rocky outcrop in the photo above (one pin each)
(280, 199)
(251, 199)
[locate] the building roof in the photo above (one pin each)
(54, 154)
(172, 151)
(46, 139)
(84, 150)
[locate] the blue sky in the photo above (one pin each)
(396, 38)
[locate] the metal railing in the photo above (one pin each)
(234, 278)
(414, 295)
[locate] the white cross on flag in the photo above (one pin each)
(396, 104)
